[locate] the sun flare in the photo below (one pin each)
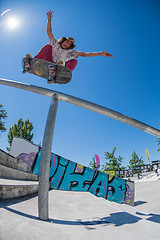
(12, 23)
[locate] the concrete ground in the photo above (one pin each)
(79, 216)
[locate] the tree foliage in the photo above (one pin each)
(135, 160)
(3, 115)
(21, 129)
(92, 164)
(113, 163)
(158, 144)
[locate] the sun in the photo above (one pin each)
(12, 23)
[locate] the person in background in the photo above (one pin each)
(156, 170)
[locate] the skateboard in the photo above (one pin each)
(52, 72)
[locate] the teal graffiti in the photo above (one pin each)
(116, 190)
(70, 176)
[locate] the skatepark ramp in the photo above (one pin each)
(49, 129)
(151, 177)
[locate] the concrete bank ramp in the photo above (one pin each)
(150, 177)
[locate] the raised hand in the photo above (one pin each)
(106, 54)
(49, 14)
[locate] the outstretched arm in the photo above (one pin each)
(49, 27)
(94, 54)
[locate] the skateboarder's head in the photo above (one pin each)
(67, 43)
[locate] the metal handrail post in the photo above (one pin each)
(45, 160)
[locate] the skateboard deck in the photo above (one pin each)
(52, 72)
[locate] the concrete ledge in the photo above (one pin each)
(10, 161)
(4, 154)
(10, 173)
(14, 189)
(13, 164)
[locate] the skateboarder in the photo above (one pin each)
(61, 51)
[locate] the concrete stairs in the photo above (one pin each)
(15, 180)
(10, 188)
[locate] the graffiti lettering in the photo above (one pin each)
(70, 176)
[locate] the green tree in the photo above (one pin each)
(113, 163)
(3, 115)
(92, 164)
(158, 144)
(135, 161)
(21, 129)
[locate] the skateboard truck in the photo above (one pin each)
(26, 64)
(52, 74)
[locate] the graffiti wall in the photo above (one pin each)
(70, 176)
(27, 160)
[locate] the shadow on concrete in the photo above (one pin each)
(137, 203)
(152, 217)
(121, 218)
(118, 219)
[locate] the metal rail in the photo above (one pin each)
(49, 129)
(43, 188)
(84, 104)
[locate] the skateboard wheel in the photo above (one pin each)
(49, 81)
(53, 73)
(23, 67)
(27, 63)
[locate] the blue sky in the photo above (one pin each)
(128, 83)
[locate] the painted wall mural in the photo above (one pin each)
(27, 159)
(24, 151)
(70, 176)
